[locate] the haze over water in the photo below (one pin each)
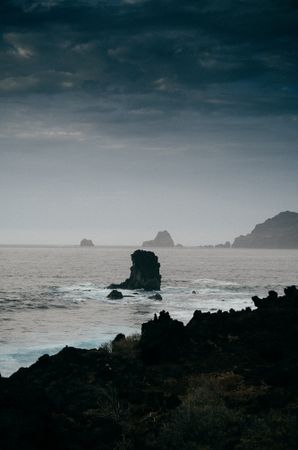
(52, 297)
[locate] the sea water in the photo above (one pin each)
(53, 296)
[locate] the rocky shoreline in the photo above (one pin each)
(227, 380)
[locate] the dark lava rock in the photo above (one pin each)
(156, 297)
(122, 399)
(162, 239)
(162, 338)
(289, 300)
(115, 295)
(86, 243)
(144, 273)
(119, 338)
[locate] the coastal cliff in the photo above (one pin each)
(281, 231)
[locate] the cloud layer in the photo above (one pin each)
(172, 89)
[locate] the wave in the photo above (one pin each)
(76, 295)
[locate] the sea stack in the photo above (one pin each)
(144, 273)
(162, 239)
(86, 243)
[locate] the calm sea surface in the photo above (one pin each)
(52, 297)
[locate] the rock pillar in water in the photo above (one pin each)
(144, 273)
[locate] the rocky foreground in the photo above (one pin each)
(224, 381)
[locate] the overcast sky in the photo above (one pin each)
(119, 118)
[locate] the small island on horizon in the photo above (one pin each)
(86, 243)
(162, 239)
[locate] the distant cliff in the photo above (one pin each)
(86, 243)
(162, 239)
(281, 231)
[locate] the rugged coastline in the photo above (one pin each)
(227, 380)
(280, 231)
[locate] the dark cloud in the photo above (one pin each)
(172, 99)
(165, 47)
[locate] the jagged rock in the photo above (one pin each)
(144, 273)
(161, 338)
(86, 243)
(156, 297)
(115, 295)
(162, 239)
(281, 231)
(119, 338)
(244, 361)
(118, 341)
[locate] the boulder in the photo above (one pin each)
(156, 297)
(115, 295)
(144, 273)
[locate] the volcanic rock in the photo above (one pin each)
(162, 338)
(115, 295)
(144, 273)
(156, 297)
(289, 300)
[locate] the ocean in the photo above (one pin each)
(56, 296)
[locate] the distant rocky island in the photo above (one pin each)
(162, 239)
(86, 243)
(227, 244)
(280, 231)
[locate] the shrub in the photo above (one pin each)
(127, 348)
(202, 422)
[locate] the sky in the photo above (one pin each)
(119, 118)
